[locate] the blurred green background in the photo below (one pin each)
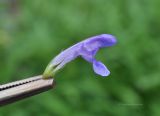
(32, 32)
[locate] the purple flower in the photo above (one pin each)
(87, 49)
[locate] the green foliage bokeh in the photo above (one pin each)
(33, 32)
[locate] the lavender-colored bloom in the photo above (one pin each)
(87, 49)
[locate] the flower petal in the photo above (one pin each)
(100, 68)
(99, 41)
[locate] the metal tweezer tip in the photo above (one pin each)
(18, 90)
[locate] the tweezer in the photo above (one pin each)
(18, 90)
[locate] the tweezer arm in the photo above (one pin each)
(18, 90)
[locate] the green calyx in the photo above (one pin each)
(49, 72)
